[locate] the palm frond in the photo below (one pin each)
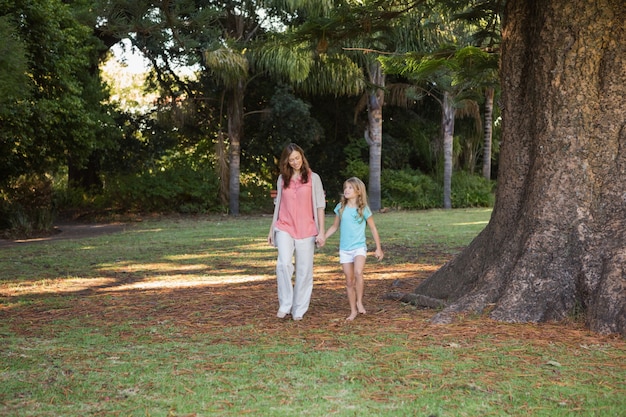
(398, 95)
(471, 109)
(291, 63)
(227, 65)
(334, 74)
(315, 7)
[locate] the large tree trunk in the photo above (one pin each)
(448, 114)
(374, 133)
(489, 92)
(556, 242)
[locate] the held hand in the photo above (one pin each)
(320, 240)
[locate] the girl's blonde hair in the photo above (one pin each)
(361, 199)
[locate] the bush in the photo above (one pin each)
(471, 191)
(409, 189)
(26, 207)
(356, 168)
(177, 188)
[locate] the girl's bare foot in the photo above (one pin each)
(351, 316)
(361, 308)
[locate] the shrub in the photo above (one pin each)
(178, 188)
(409, 189)
(356, 168)
(471, 191)
(26, 207)
(412, 190)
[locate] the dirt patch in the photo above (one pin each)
(70, 231)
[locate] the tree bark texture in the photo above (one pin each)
(556, 242)
(222, 167)
(374, 133)
(448, 114)
(235, 132)
(489, 93)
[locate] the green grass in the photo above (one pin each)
(175, 317)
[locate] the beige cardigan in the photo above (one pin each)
(318, 200)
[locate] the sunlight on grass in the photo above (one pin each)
(178, 281)
(187, 257)
(58, 285)
(161, 267)
(165, 279)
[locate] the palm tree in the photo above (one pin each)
(451, 75)
(478, 71)
(225, 37)
(293, 62)
(362, 31)
(231, 69)
(374, 131)
(485, 16)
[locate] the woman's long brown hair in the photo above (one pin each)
(285, 169)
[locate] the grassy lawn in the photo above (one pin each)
(176, 317)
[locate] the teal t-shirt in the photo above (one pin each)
(352, 228)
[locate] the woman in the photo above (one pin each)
(297, 226)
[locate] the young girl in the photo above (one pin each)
(353, 213)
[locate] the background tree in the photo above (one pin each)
(555, 244)
(14, 83)
(359, 32)
(485, 17)
(160, 157)
(478, 72)
(224, 39)
(15, 89)
(286, 119)
(60, 124)
(451, 76)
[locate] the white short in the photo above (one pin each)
(347, 256)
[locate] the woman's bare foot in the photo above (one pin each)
(352, 316)
(360, 308)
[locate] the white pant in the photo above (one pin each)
(294, 299)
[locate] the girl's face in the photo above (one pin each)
(295, 161)
(349, 191)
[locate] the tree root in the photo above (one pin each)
(415, 299)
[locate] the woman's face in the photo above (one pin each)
(295, 161)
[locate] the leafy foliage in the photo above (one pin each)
(288, 119)
(62, 118)
(300, 85)
(179, 188)
(26, 206)
(471, 190)
(14, 84)
(408, 188)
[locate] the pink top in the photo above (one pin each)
(296, 210)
